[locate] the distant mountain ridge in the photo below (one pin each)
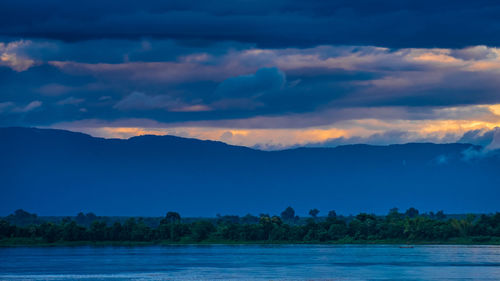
(57, 172)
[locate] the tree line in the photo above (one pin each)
(407, 227)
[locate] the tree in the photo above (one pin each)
(394, 214)
(337, 230)
(73, 232)
(440, 215)
(364, 217)
(127, 229)
(178, 230)
(314, 212)
(249, 219)
(22, 214)
(50, 232)
(411, 212)
(332, 214)
(288, 214)
(173, 217)
(85, 219)
(21, 217)
(91, 217)
(141, 232)
(6, 230)
(228, 218)
(98, 231)
(276, 220)
(363, 226)
(201, 230)
(394, 211)
(81, 218)
(116, 231)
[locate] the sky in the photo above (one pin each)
(264, 74)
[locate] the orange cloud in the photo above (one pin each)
(440, 58)
(447, 124)
(9, 56)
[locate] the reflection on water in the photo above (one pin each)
(349, 262)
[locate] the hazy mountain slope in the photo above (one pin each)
(57, 172)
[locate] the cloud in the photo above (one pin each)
(11, 55)
(264, 82)
(10, 107)
(70, 101)
(389, 137)
(4, 106)
(495, 143)
(141, 101)
(476, 53)
(54, 89)
(358, 76)
(157, 72)
(29, 107)
(320, 94)
(489, 139)
(389, 23)
(371, 131)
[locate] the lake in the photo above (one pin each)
(250, 262)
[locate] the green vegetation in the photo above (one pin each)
(23, 228)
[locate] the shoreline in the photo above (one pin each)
(12, 243)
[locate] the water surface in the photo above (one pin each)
(250, 262)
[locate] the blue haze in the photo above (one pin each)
(54, 172)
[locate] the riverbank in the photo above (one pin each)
(29, 242)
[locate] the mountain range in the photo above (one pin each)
(58, 172)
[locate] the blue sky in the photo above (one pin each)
(256, 73)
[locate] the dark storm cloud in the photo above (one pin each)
(390, 23)
(87, 80)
